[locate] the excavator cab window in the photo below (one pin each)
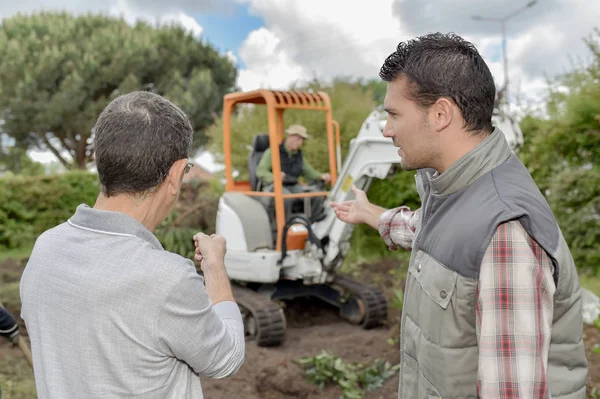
(277, 102)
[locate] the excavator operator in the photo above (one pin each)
(293, 166)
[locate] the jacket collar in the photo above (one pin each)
(488, 154)
(109, 222)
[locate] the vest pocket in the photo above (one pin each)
(436, 280)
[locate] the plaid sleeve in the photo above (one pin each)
(397, 227)
(514, 316)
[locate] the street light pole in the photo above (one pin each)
(502, 22)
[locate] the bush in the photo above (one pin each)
(574, 196)
(31, 205)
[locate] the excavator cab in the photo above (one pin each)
(299, 205)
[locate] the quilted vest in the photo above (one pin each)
(291, 165)
(460, 212)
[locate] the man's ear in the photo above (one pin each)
(175, 176)
(442, 113)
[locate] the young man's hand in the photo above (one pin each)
(359, 210)
(354, 211)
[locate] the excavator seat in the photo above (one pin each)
(260, 143)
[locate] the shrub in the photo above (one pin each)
(31, 205)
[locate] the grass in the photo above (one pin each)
(16, 378)
(590, 282)
(16, 253)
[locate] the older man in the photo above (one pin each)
(293, 167)
(293, 164)
(110, 313)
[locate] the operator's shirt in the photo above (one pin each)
(515, 280)
(264, 172)
(111, 314)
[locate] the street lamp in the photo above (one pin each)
(502, 22)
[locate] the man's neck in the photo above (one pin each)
(287, 148)
(456, 148)
(142, 209)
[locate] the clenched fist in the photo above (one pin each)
(210, 250)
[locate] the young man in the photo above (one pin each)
(492, 303)
(110, 313)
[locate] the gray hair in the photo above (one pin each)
(137, 138)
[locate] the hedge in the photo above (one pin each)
(31, 205)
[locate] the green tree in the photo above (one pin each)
(16, 161)
(562, 152)
(58, 71)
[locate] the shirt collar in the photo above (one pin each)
(111, 222)
(488, 154)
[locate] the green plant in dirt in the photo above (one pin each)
(596, 347)
(59, 71)
(398, 299)
(354, 378)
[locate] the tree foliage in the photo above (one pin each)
(14, 160)
(58, 71)
(562, 152)
(31, 205)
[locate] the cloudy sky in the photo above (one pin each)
(278, 42)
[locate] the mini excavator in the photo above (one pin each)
(270, 260)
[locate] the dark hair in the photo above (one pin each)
(137, 138)
(445, 65)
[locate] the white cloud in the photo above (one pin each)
(307, 38)
(232, 57)
(132, 12)
(304, 38)
(267, 66)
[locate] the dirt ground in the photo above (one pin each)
(269, 373)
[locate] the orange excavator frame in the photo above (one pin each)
(277, 102)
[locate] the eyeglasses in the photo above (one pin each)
(189, 166)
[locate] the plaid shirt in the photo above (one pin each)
(514, 308)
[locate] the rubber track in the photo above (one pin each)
(268, 315)
(373, 299)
